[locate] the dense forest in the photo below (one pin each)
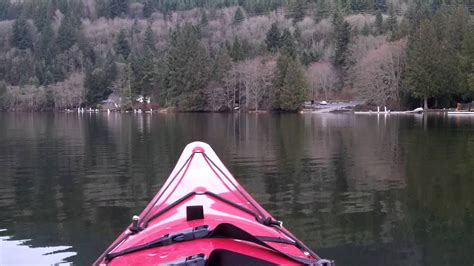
(214, 55)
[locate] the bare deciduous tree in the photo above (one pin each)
(218, 98)
(28, 97)
(357, 21)
(254, 78)
(377, 76)
(363, 44)
(322, 78)
(69, 93)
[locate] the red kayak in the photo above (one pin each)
(202, 216)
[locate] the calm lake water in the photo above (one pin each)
(363, 190)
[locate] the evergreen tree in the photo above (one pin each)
(337, 18)
(290, 84)
(278, 82)
(378, 23)
(117, 8)
(62, 5)
(46, 53)
(149, 41)
(237, 51)
(309, 57)
(416, 12)
(149, 78)
(468, 61)
(21, 35)
(99, 80)
(222, 65)
(297, 35)
(3, 92)
(381, 5)
(365, 29)
(94, 82)
(457, 24)
(135, 64)
(288, 43)
(4, 8)
(246, 49)
(187, 71)
(435, 4)
(73, 12)
(361, 5)
(421, 78)
(148, 9)
(238, 16)
(342, 4)
(342, 40)
(297, 9)
(451, 27)
(87, 50)
(298, 38)
(135, 30)
(66, 34)
(392, 23)
(143, 73)
(273, 38)
(204, 21)
(42, 15)
(403, 29)
(110, 69)
(322, 10)
(122, 47)
(294, 90)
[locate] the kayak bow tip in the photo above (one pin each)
(200, 190)
(198, 149)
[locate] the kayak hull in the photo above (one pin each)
(201, 192)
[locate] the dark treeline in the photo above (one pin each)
(214, 55)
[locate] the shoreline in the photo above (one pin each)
(302, 111)
(334, 107)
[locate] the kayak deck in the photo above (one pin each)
(203, 214)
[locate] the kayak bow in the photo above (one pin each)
(203, 216)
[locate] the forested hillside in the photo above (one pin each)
(213, 55)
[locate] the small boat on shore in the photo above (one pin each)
(203, 216)
(460, 113)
